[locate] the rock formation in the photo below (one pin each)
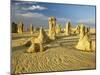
(31, 29)
(84, 42)
(58, 29)
(77, 29)
(20, 28)
(14, 27)
(68, 28)
(52, 28)
(43, 37)
(87, 30)
(36, 47)
(37, 43)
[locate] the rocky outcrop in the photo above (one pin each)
(85, 42)
(20, 28)
(31, 29)
(52, 28)
(68, 28)
(37, 44)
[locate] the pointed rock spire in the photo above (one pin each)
(68, 28)
(84, 42)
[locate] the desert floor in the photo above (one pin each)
(60, 55)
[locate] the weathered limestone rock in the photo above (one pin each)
(20, 28)
(28, 42)
(58, 30)
(68, 28)
(14, 27)
(31, 49)
(34, 48)
(87, 30)
(84, 40)
(77, 29)
(43, 37)
(31, 29)
(37, 43)
(52, 28)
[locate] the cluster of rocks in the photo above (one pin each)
(84, 43)
(37, 44)
(19, 28)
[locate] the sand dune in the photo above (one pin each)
(60, 55)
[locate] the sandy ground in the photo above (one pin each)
(59, 55)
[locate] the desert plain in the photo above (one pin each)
(59, 54)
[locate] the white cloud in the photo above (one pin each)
(34, 7)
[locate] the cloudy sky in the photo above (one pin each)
(37, 13)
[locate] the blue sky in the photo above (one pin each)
(37, 13)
